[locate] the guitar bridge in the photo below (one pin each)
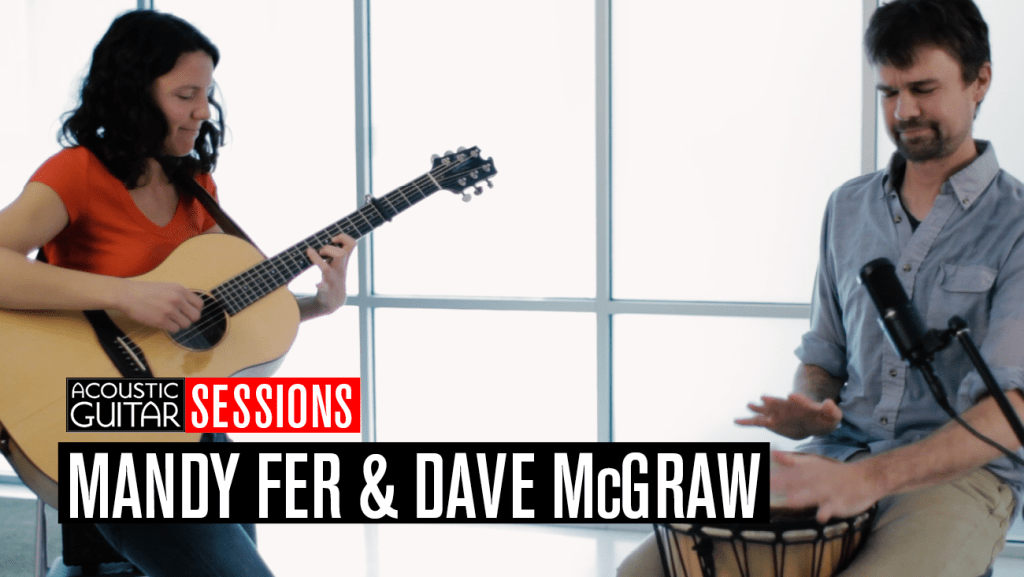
(121, 350)
(133, 354)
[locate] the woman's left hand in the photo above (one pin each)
(332, 260)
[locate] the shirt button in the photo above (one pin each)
(883, 421)
(907, 267)
(898, 219)
(893, 372)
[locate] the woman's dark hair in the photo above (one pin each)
(899, 28)
(117, 118)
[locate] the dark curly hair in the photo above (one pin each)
(117, 118)
(899, 28)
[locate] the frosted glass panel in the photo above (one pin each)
(445, 375)
(999, 119)
(732, 123)
(517, 80)
(45, 50)
(686, 378)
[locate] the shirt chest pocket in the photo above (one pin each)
(964, 291)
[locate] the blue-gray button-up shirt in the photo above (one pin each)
(966, 258)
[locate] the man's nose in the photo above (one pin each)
(906, 107)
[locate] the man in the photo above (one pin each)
(951, 220)
(953, 223)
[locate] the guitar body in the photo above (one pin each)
(39, 350)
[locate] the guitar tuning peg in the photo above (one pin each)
(466, 197)
(448, 153)
(460, 149)
(478, 190)
(434, 157)
(489, 183)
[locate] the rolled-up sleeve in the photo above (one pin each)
(824, 345)
(1003, 343)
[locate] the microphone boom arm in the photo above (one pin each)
(958, 328)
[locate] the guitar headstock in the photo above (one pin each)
(459, 171)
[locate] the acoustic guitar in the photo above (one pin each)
(249, 321)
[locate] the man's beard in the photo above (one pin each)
(931, 146)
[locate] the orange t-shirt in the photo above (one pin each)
(106, 231)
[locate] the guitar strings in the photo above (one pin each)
(292, 258)
(212, 311)
(215, 308)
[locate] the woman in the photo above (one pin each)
(111, 206)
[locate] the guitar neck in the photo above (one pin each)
(248, 287)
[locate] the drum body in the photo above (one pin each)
(791, 545)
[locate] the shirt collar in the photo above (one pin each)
(967, 184)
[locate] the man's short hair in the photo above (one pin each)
(899, 28)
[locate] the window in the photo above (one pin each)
(732, 123)
(643, 266)
(452, 73)
(45, 47)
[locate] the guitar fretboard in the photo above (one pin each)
(250, 286)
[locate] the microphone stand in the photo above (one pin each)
(939, 340)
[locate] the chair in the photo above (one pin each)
(102, 561)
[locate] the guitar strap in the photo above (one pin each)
(195, 190)
(126, 356)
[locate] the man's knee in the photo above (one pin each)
(644, 561)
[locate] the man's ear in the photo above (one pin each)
(982, 82)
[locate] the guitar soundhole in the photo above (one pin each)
(205, 333)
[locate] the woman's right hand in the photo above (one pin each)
(167, 306)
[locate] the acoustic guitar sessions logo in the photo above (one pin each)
(122, 405)
(221, 405)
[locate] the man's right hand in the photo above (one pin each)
(796, 416)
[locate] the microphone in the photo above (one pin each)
(899, 318)
(916, 345)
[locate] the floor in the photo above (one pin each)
(451, 550)
(465, 550)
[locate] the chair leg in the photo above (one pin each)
(40, 564)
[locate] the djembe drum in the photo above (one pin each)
(791, 545)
